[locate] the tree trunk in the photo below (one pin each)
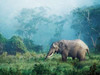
(93, 42)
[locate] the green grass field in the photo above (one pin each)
(34, 64)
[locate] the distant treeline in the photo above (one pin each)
(17, 44)
(85, 22)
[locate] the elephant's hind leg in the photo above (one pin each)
(81, 57)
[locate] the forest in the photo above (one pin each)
(25, 51)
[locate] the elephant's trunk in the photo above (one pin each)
(49, 54)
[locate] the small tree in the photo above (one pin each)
(31, 46)
(59, 22)
(3, 40)
(15, 44)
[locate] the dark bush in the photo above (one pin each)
(3, 40)
(31, 46)
(38, 48)
(15, 44)
(41, 70)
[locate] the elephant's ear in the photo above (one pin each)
(62, 45)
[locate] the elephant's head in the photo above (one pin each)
(56, 47)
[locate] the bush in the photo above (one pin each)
(18, 55)
(10, 71)
(3, 40)
(4, 54)
(15, 44)
(40, 69)
(31, 46)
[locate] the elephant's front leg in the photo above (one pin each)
(64, 55)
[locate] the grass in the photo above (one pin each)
(35, 64)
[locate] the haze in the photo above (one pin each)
(9, 9)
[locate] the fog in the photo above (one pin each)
(9, 9)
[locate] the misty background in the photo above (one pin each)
(51, 11)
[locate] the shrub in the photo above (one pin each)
(15, 44)
(27, 55)
(40, 69)
(3, 40)
(31, 46)
(18, 55)
(4, 54)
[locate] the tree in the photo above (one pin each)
(59, 22)
(29, 20)
(31, 46)
(3, 41)
(86, 24)
(15, 44)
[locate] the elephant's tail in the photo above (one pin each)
(88, 52)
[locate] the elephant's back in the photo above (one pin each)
(75, 43)
(81, 44)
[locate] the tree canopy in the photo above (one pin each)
(15, 44)
(86, 24)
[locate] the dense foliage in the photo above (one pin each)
(17, 44)
(34, 64)
(3, 40)
(31, 46)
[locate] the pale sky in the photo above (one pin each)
(57, 6)
(9, 8)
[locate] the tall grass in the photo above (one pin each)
(35, 64)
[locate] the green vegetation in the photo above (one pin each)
(35, 64)
(3, 40)
(31, 46)
(17, 44)
(18, 54)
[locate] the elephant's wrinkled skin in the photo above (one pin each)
(72, 48)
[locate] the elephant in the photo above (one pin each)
(69, 48)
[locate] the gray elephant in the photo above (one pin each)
(72, 48)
